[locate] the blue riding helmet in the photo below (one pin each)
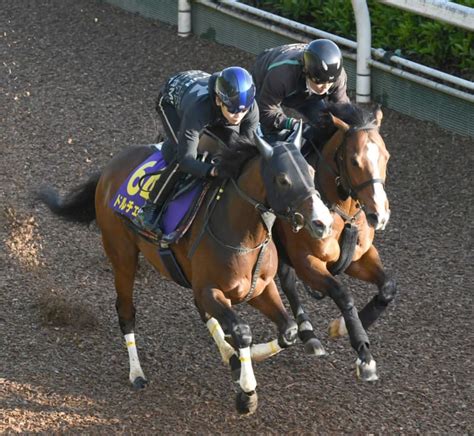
(235, 87)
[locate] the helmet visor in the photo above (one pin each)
(238, 101)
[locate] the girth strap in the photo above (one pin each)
(173, 267)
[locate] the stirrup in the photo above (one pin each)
(146, 218)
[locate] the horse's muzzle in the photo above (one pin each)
(378, 221)
(319, 230)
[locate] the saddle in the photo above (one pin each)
(176, 213)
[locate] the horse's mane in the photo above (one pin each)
(355, 116)
(235, 156)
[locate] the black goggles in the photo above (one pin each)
(319, 81)
(236, 110)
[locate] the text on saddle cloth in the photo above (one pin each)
(135, 190)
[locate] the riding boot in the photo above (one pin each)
(151, 212)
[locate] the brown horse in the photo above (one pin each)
(234, 259)
(350, 175)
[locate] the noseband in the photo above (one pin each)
(296, 219)
(344, 184)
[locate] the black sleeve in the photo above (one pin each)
(249, 124)
(339, 93)
(188, 142)
(270, 96)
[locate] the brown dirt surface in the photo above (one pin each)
(78, 83)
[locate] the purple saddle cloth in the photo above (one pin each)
(134, 191)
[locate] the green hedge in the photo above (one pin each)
(409, 35)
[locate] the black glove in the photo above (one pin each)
(309, 132)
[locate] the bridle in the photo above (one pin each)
(296, 219)
(344, 183)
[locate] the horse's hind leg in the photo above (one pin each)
(123, 255)
(369, 268)
(288, 281)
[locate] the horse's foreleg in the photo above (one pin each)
(288, 281)
(270, 304)
(369, 268)
(366, 366)
(225, 349)
(124, 261)
(213, 302)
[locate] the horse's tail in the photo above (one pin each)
(78, 205)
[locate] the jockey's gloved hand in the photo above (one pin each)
(292, 124)
(214, 171)
(309, 132)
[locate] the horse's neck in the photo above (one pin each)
(327, 176)
(242, 218)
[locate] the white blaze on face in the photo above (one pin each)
(321, 213)
(380, 196)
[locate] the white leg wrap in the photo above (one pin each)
(217, 334)
(305, 326)
(135, 368)
(247, 377)
(261, 352)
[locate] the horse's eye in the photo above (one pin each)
(283, 180)
(354, 162)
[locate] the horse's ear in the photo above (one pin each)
(265, 149)
(298, 139)
(378, 115)
(339, 123)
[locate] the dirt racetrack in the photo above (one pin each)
(78, 83)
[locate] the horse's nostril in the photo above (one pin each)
(372, 218)
(318, 224)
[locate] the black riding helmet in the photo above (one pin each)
(322, 61)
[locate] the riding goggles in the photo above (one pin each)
(319, 81)
(233, 110)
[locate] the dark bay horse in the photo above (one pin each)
(234, 259)
(350, 175)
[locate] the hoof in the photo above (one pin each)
(337, 328)
(139, 383)
(246, 404)
(366, 371)
(314, 347)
